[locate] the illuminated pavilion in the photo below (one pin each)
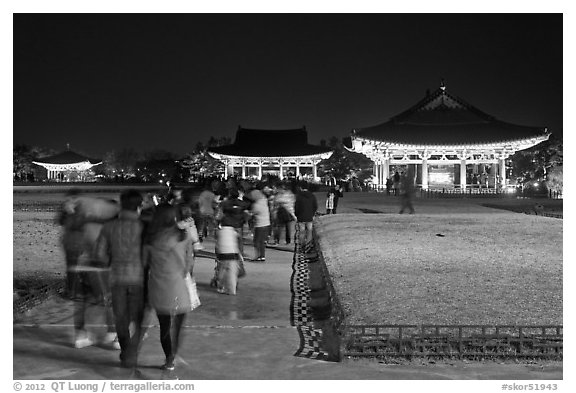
(66, 166)
(448, 141)
(256, 152)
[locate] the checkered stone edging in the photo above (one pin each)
(300, 310)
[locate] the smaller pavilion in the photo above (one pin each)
(67, 166)
(255, 153)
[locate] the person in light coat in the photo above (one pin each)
(169, 255)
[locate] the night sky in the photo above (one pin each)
(103, 82)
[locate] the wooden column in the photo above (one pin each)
(502, 163)
(314, 171)
(385, 170)
(280, 175)
(424, 174)
(463, 174)
(259, 170)
(492, 175)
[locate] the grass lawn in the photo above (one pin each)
(37, 252)
(465, 265)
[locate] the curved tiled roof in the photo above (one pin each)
(270, 143)
(441, 119)
(66, 157)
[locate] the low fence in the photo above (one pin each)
(486, 193)
(461, 341)
(474, 192)
(36, 206)
(30, 297)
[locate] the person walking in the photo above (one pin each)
(229, 266)
(283, 214)
(120, 247)
(261, 218)
(330, 200)
(206, 205)
(234, 211)
(389, 184)
(305, 208)
(169, 255)
(396, 183)
(406, 193)
(334, 194)
(82, 219)
(337, 195)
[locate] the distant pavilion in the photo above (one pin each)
(59, 167)
(257, 152)
(449, 142)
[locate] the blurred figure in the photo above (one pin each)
(82, 218)
(234, 212)
(185, 215)
(337, 195)
(389, 184)
(305, 208)
(228, 260)
(169, 254)
(332, 198)
(175, 196)
(206, 206)
(283, 214)
(120, 247)
(406, 193)
(396, 182)
(261, 220)
(355, 183)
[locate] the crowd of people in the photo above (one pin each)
(136, 257)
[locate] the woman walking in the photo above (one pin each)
(261, 218)
(169, 254)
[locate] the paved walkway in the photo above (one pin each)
(243, 337)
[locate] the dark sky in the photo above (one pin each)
(166, 81)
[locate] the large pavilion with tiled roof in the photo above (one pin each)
(448, 141)
(61, 165)
(256, 152)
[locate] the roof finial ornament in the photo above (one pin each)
(67, 146)
(442, 85)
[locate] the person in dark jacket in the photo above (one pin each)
(235, 210)
(337, 195)
(120, 247)
(406, 192)
(305, 208)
